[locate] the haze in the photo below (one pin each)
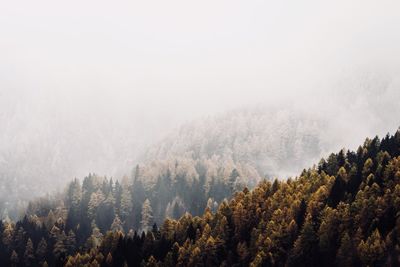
(95, 82)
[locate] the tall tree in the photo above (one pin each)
(14, 259)
(41, 250)
(345, 254)
(147, 216)
(126, 204)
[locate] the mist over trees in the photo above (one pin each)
(190, 133)
(274, 141)
(341, 212)
(48, 139)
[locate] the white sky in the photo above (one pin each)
(201, 55)
(136, 68)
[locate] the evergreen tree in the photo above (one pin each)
(14, 258)
(50, 220)
(106, 213)
(29, 256)
(126, 204)
(373, 250)
(109, 260)
(345, 254)
(232, 179)
(41, 250)
(59, 249)
(96, 199)
(305, 250)
(116, 226)
(70, 242)
(147, 216)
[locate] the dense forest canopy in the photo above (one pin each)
(258, 142)
(342, 212)
(43, 145)
(276, 141)
(199, 133)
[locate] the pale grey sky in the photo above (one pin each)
(79, 75)
(201, 55)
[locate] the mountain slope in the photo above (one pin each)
(205, 161)
(343, 212)
(277, 141)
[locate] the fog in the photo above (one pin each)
(86, 86)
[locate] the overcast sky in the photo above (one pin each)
(171, 56)
(72, 69)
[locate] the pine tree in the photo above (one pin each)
(50, 220)
(152, 262)
(73, 200)
(239, 219)
(8, 232)
(232, 179)
(14, 258)
(368, 164)
(74, 194)
(345, 252)
(176, 211)
(96, 199)
(94, 263)
(70, 242)
(259, 259)
(96, 237)
(109, 260)
(116, 226)
(20, 239)
(59, 249)
(29, 255)
(210, 251)
(126, 203)
(106, 213)
(138, 197)
(195, 257)
(41, 250)
(305, 250)
(243, 253)
(147, 216)
(372, 252)
(118, 194)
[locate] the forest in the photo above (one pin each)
(199, 133)
(343, 211)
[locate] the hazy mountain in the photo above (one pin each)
(45, 142)
(275, 141)
(341, 212)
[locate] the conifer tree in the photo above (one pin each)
(372, 251)
(14, 258)
(41, 250)
(345, 252)
(59, 249)
(116, 226)
(29, 255)
(126, 203)
(50, 220)
(70, 242)
(109, 260)
(147, 216)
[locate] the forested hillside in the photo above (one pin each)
(42, 149)
(276, 141)
(199, 133)
(342, 212)
(256, 142)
